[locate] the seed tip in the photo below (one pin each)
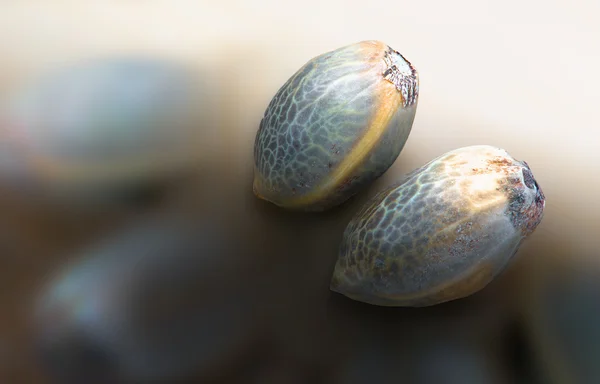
(403, 75)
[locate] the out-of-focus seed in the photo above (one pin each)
(101, 125)
(163, 301)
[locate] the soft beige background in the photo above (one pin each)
(522, 75)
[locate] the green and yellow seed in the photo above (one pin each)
(442, 233)
(335, 126)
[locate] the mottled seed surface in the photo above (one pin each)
(337, 124)
(442, 233)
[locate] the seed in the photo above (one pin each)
(100, 125)
(485, 203)
(156, 302)
(335, 126)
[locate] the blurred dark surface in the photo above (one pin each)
(238, 295)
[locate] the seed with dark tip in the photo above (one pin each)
(465, 240)
(349, 113)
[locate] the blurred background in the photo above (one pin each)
(256, 308)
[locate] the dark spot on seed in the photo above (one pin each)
(528, 178)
